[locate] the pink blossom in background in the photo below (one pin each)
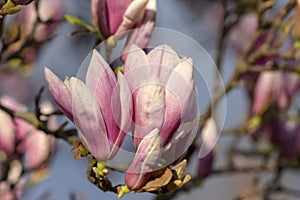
(22, 24)
(242, 33)
(8, 129)
(16, 86)
(48, 10)
(209, 136)
(270, 88)
(274, 88)
(5, 192)
(34, 144)
(38, 145)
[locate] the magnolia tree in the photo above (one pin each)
(136, 104)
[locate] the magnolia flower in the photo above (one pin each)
(8, 126)
(276, 88)
(162, 89)
(28, 32)
(35, 145)
(11, 193)
(47, 10)
(115, 18)
(163, 107)
(159, 100)
(99, 108)
(243, 31)
(5, 191)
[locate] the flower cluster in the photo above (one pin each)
(24, 146)
(271, 92)
(19, 136)
(30, 28)
(155, 96)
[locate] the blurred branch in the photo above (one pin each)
(33, 118)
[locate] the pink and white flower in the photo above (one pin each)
(155, 95)
(99, 108)
(116, 18)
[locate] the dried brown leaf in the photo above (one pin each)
(159, 182)
(80, 151)
(180, 169)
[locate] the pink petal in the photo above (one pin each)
(179, 91)
(124, 119)
(11, 129)
(180, 141)
(22, 128)
(100, 16)
(136, 58)
(7, 133)
(145, 161)
(281, 93)
(89, 120)
(263, 92)
(149, 104)
(53, 9)
(116, 9)
(162, 60)
(5, 191)
(172, 116)
(132, 15)
(136, 67)
(101, 80)
(241, 33)
(288, 88)
(59, 92)
(209, 137)
(142, 35)
(38, 148)
(107, 15)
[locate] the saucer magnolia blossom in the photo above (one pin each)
(115, 18)
(18, 135)
(99, 108)
(162, 89)
(277, 88)
(156, 92)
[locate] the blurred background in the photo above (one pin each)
(199, 20)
